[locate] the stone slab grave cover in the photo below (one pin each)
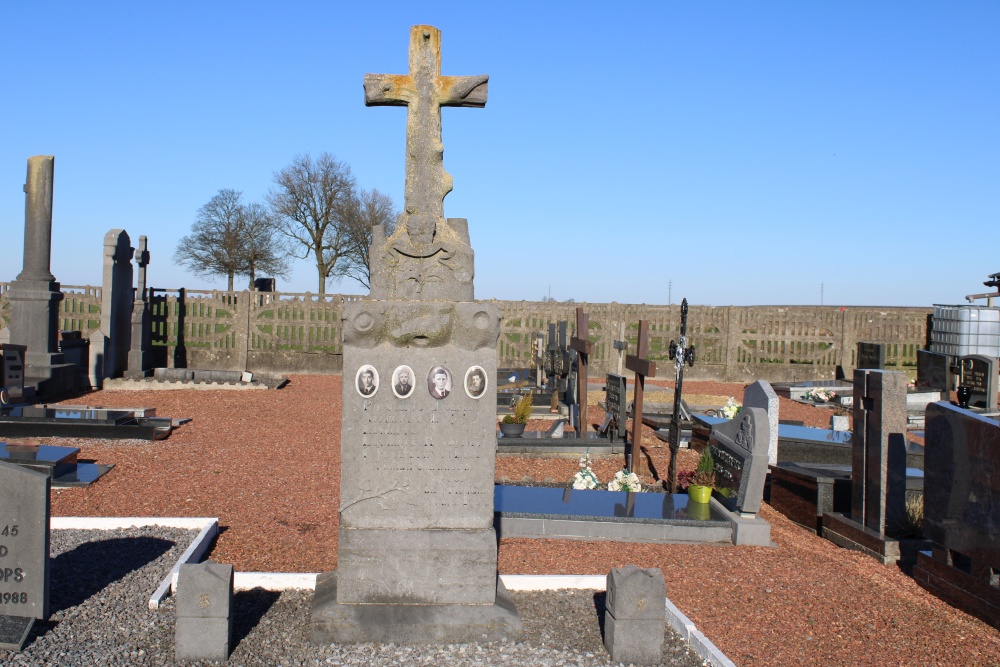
(204, 624)
(635, 615)
(761, 395)
(979, 373)
(417, 556)
(739, 447)
(24, 551)
(870, 356)
(962, 510)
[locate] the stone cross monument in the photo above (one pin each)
(139, 361)
(35, 294)
(417, 557)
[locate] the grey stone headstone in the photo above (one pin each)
(139, 354)
(109, 345)
(635, 615)
(962, 490)
(416, 487)
(761, 395)
(204, 611)
(739, 447)
(934, 371)
(979, 373)
(871, 356)
(878, 458)
(24, 542)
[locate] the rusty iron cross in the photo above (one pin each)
(642, 368)
(424, 91)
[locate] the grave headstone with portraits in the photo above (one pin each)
(417, 554)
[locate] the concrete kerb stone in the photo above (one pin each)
(281, 581)
(147, 384)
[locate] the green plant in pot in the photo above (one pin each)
(700, 489)
(512, 426)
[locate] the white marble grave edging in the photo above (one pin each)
(281, 581)
(209, 528)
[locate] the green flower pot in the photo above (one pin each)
(699, 494)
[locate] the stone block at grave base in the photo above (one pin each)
(202, 639)
(958, 588)
(636, 593)
(435, 567)
(635, 642)
(332, 622)
(849, 534)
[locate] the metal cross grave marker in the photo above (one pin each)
(642, 368)
(681, 355)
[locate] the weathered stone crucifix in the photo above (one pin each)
(423, 92)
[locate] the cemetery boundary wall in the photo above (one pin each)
(301, 333)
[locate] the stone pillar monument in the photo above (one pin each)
(139, 361)
(417, 557)
(35, 294)
(109, 345)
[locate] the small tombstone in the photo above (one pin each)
(739, 448)
(24, 552)
(616, 404)
(979, 374)
(635, 615)
(934, 371)
(871, 356)
(761, 395)
(204, 611)
(840, 423)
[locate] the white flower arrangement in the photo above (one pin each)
(731, 408)
(625, 481)
(819, 395)
(585, 477)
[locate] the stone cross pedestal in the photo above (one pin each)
(35, 295)
(417, 556)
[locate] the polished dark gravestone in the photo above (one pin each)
(934, 371)
(567, 513)
(962, 511)
(59, 464)
(871, 356)
(24, 550)
(979, 374)
(81, 422)
(616, 405)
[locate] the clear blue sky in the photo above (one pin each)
(749, 152)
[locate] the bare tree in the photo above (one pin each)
(265, 250)
(366, 209)
(309, 203)
(230, 238)
(214, 247)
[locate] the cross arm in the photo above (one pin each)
(464, 91)
(387, 90)
(581, 345)
(643, 367)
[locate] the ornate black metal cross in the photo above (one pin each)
(643, 368)
(681, 354)
(581, 343)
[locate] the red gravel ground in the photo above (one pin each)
(267, 463)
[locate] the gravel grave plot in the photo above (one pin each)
(267, 463)
(100, 584)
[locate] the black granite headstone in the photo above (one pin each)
(933, 370)
(871, 356)
(616, 403)
(979, 374)
(14, 631)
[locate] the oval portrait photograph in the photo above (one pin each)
(439, 382)
(366, 380)
(402, 381)
(475, 382)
